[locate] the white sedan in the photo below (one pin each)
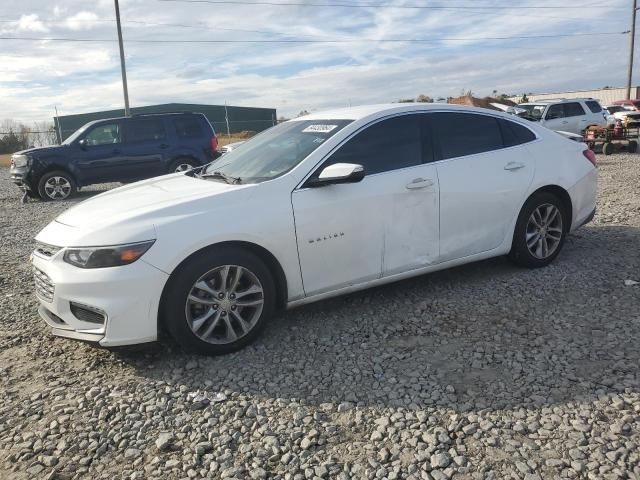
(312, 208)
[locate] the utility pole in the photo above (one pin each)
(122, 65)
(632, 37)
(59, 122)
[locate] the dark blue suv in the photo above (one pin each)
(116, 150)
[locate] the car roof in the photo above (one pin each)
(364, 111)
(142, 115)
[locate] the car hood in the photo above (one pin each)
(40, 150)
(129, 213)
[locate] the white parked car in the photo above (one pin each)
(629, 118)
(312, 208)
(569, 115)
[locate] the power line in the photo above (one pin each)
(343, 40)
(373, 5)
(157, 24)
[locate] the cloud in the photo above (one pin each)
(82, 21)
(31, 23)
(84, 77)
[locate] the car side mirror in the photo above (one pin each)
(338, 173)
(83, 143)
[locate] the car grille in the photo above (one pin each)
(46, 250)
(86, 313)
(44, 286)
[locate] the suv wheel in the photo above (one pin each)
(182, 165)
(218, 301)
(56, 185)
(540, 231)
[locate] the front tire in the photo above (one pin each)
(218, 301)
(56, 185)
(540, 231)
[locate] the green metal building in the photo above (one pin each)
(239, 118)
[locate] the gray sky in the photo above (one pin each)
(80, 77)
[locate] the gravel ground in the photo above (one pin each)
(482, 372)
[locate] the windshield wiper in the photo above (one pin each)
(219, 175)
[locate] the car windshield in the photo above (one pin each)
(615, 109)
(71, 138)
(273, 152)
(532, 112)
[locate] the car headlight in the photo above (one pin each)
(101, 257)
(20, 160)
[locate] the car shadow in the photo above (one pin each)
(484, 335)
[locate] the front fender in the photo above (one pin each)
(263, 224)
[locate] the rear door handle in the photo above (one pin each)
(514, 166)
(564, 122)
(164, 145)
(116, 152)
(419, 183)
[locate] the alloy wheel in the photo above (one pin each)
(224, 304)
(57, 188)
(544, 231)
(183, 167)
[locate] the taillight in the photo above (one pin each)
(590, 156)
(214, 143)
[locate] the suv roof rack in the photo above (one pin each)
(562, 99)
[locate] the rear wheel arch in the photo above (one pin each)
(183, 158)
(564, 197)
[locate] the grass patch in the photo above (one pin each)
(223, 139)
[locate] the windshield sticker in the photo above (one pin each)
(318, 140)
(319, 128)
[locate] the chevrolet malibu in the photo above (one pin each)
(315, 207)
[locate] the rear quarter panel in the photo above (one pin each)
(560, 162)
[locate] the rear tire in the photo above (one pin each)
(182, 165)
(540, 231)
(632, 147)
(607, 148)
(218, 301)
(57, 185)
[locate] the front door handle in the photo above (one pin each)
(164, 145)
(564, 122)
(514, 166)
(419, 183)
(116, 152)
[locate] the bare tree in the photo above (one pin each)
(43, 134)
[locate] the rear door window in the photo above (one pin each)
(188, 127)
(573, 109)
(461, 134)
(594, 106)
(515, 134)
(146, 130)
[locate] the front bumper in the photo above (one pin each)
(127, 298)
(20, 176)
